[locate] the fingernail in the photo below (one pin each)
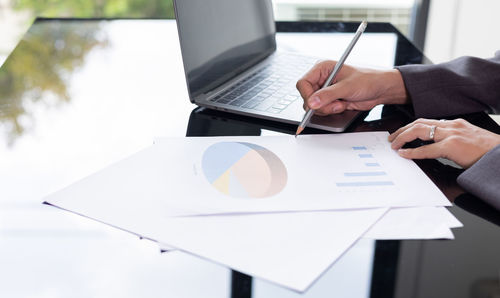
(336, 107)
(315, 102)
(402, 151)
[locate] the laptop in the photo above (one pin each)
(231, 62)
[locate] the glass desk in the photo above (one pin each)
(77, 95)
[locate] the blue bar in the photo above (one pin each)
(359, 148)
(360, 174)
(366, 155)
(372, 164)
(367, 183)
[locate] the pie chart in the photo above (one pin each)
(243, 170)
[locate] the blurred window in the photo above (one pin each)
(397, 12)
(17, 15)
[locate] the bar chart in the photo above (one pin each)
(370, 173)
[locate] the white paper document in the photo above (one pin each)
(397, 224)
(224, 175)
(289, 249)
(414, 223)
(279, 208)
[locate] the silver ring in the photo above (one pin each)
(431, 133)
(442, 120)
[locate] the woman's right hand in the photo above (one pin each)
(353, 89)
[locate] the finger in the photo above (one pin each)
(305, 88)
(459, 123)
(319, 113)
(339, 106)
(335, 107)
(322, 112)
(327, 96)
(418, 131)
(314, 78)
(409, 125)
(428, 122)
(431, 151)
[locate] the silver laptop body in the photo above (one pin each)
(231, 63)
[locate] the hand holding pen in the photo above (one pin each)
(333, 74)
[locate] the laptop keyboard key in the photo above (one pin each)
(274, 111)
(231, 96)
(224, 100)
(265, 105)
(246, 96)
(259, 98)
(252, 92)
(266, 93)
(251, 104)
(237, 102)
(284, 102)
(280, 94)
(279, 106)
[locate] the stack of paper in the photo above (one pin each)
(279, 208)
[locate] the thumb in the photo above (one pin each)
(326, 96)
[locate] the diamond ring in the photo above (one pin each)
(431, 133)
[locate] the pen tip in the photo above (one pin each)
(299, 130)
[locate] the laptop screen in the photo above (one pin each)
(222, 38)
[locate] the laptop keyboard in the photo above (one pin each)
(272, 88)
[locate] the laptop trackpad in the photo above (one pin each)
(335, 123)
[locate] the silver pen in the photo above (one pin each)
(336, 69)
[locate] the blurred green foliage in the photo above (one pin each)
(38, 72)
(98, 8)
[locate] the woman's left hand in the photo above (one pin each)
(456, 140)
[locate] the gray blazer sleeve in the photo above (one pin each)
(483, 178)
(461, 86)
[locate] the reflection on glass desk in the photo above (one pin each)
(77, 95)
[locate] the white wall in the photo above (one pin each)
(462, 27)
